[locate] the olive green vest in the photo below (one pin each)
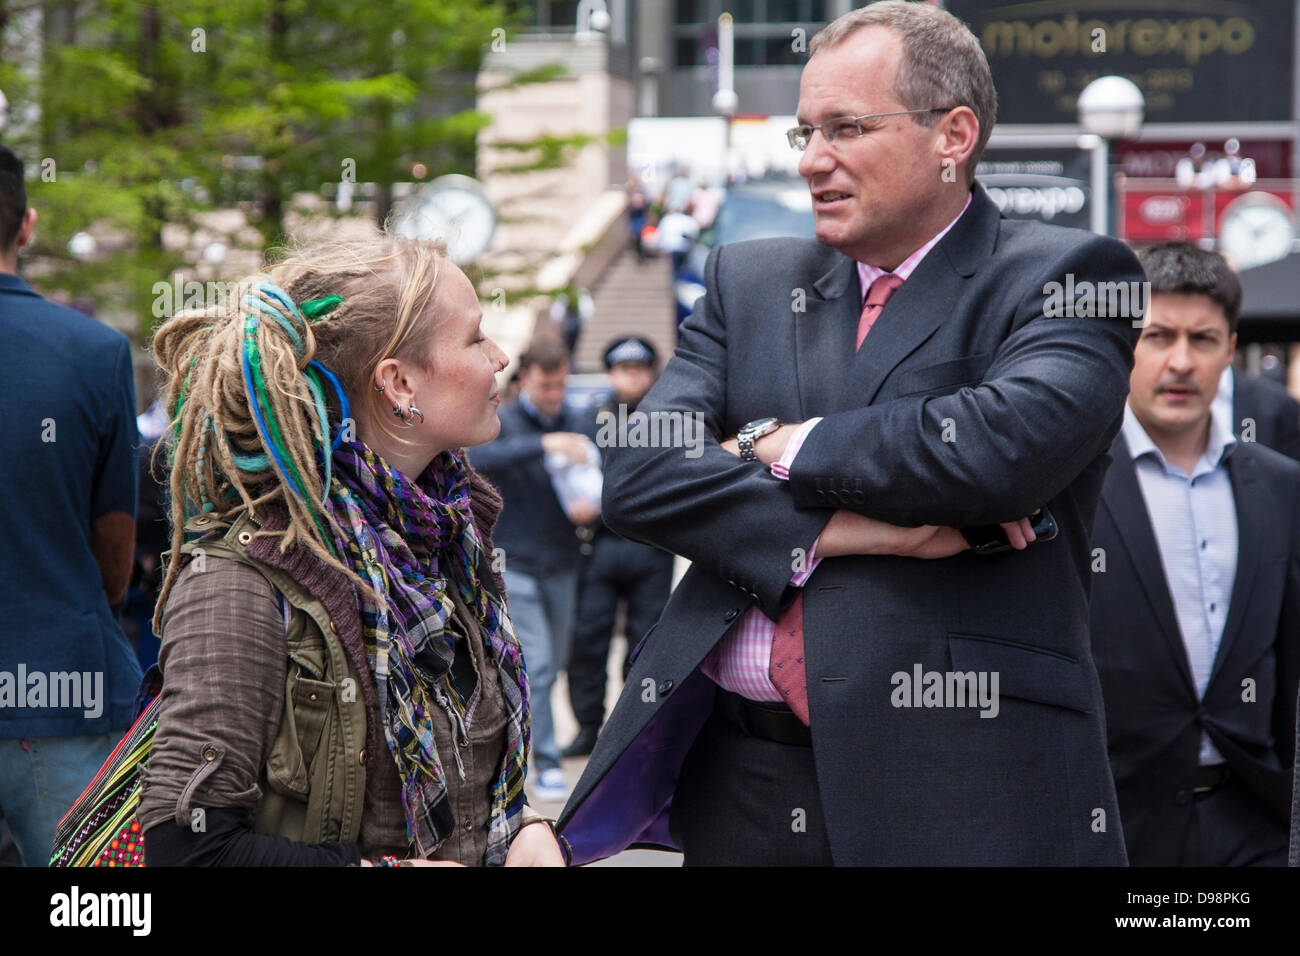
(313, 781)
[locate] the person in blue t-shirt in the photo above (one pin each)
(68, 676)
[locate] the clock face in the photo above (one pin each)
(1256, 229)
(460, 215)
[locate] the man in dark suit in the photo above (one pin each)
(1196, 592)
(808, 695)
(1261, 411)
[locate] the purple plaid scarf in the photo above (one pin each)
(412, 540)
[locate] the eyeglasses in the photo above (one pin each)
(844, 128)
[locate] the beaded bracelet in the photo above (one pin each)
(388, 861)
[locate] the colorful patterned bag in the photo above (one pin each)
(101, 829)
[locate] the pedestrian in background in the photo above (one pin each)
(1196, 614)
(68, 522)
(617, 570)
(537, 537)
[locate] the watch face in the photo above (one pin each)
(759, 424)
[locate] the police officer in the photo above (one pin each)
(614, 568)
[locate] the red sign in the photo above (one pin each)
(1153, 210)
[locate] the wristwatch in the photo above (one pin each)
(751, 432)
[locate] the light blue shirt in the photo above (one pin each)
(1194, 518)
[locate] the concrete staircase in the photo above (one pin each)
(630, 298)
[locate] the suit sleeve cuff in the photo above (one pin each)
(781, 467)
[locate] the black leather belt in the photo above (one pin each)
(774, 722)
(1209, 777)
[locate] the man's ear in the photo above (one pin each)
(1232, 347)
(26, 228)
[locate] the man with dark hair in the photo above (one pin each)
(536, 536)
(1255, 408)
(1196, 592)
(68, 676)
(616, 569)
(809, 695)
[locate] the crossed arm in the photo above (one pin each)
(1046, 407)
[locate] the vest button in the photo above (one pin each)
(209, 754)
(245, 537)
(731, 614)
(469, 824)
(313, 697)
(333, 627)
(362, 757)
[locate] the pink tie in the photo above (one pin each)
(786, 668)
(877, 295)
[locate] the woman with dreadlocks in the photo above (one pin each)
(341, 682)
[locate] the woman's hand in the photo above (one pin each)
(418, 862)
(534, 845)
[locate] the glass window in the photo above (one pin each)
(691, 11)
(785, 11)
(780, 50)
(689, 52)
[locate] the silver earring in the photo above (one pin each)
(415, 411)
(380, 387)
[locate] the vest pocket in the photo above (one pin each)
(306, 712)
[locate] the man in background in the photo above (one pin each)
(1196, 606)
(536, 535)
(68, 676)
(617, 569)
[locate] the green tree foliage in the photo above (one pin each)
(150, 112)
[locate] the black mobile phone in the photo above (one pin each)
(988, 539)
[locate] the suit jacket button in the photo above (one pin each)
(859, 497)
(732, 614)
(665, 688)
(821, 497)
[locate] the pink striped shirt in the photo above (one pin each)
(741, 660)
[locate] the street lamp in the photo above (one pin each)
(725, 101)
(1111, 108)
(593, 18)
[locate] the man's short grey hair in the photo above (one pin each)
(942, 63)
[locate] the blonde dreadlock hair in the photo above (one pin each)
(353, 304)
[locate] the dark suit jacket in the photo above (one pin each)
(1154, 718)
(1275, 413)
(963, 350)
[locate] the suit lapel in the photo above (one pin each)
(1251, 503)
(1122, 498)
(824, 336)
(927, 298)
(911, 316)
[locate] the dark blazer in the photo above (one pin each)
(1275, 413)
(1154, 718)
(533, 531)
(963, 350)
